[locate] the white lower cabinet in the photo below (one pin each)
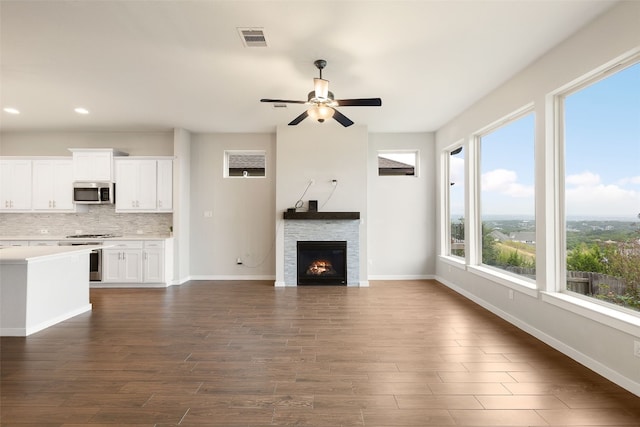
(153, 262)
(122, 263)
(134, 262)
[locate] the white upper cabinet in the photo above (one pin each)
(53, 185)
(165, 185)
(144, 185)
(94, 164)
(15, 185)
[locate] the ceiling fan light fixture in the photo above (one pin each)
(320, 112)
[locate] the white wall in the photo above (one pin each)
(58, 143)
(606, 347)
(322, 152)
(402, 211)
(242, 210)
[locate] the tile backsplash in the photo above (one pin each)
(99, 219)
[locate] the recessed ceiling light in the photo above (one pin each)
(81, 110)
(11, 110)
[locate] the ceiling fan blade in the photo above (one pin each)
(341, 118)
(283, 101)
(298, 119)
(360, 102)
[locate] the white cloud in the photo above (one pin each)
(587, 195)
(634, 180)
(505, 182)
(602, 200)
(583, 179)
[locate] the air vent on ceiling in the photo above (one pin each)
(253, 37)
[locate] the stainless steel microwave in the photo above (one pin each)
(94, 193)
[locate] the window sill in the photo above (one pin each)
(510, 281)
(624, 322)
(457, 262)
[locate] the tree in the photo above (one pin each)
(586, 258)
(489, 251)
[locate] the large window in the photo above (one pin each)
(507, 196)
(602, 187)
(456, 202)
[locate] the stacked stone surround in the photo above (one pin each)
(321, 230)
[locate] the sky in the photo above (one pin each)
(603, 147)
(602, 158)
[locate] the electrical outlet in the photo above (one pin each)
(636, 348)
(208, 214)
(44, 231)
(334, 182)
(510, 293)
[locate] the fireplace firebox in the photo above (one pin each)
(322, 262)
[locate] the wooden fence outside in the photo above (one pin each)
(588, 283)
(582, 282)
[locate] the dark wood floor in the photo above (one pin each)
(247, 354)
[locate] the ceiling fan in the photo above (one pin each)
(322, 103)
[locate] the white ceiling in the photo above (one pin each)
(156, 65)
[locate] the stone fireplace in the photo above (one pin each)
(323, 229)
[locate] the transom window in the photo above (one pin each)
(245, 164)
(397, 163)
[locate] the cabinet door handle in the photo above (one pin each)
(54, 203)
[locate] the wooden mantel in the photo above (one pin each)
(321, 215)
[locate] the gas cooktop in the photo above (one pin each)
(91, 236)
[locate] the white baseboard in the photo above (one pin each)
(233, 277)
(402, 277)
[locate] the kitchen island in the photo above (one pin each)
(41, 286)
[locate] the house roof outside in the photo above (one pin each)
(384, 163)
(246, 161)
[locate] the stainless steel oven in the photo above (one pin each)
(95, 259)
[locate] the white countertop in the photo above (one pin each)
(25, 254)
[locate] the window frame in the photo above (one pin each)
(556, 291)
(446, 249)
(228, 153)
(504, 277)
